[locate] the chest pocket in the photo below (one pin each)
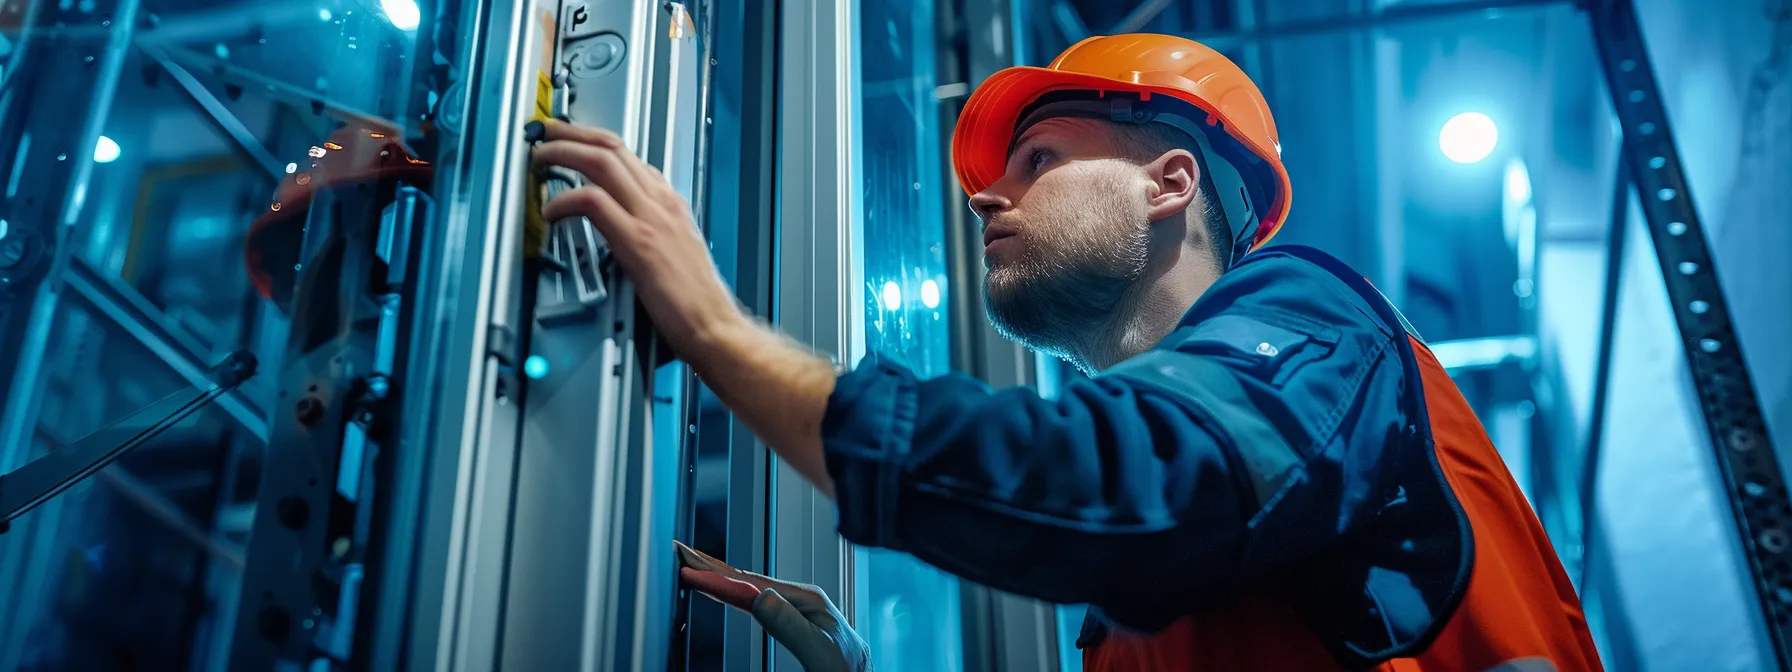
(1270, 346)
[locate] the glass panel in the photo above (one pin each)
(908, 612)
(116, 556)
(158, 129)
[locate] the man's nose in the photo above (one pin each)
(987, 204)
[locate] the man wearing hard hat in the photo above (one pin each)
(1266, 470)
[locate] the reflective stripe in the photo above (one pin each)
(1213, 389)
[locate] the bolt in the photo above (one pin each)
(310, 411)
(293, 512)
(275, 624)
(340, 547)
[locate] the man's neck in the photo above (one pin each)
(1149, 312)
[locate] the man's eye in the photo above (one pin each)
(1038, 160)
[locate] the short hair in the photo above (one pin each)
(1146, 142)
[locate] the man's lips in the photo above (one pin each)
(995, 233)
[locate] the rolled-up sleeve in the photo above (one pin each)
(1147, 481)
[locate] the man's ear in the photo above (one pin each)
(1175, 184)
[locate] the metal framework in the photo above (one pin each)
(446, 316)
(1753, 477)
(1751, 468)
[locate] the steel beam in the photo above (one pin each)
(1385, 18)
(1755, 484)
(1140, 17)
(121, 305)
(270, 87)
(1602, 370)
(245, 139)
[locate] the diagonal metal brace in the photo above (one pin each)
(245, 139)
(41, 479)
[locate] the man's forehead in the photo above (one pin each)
(1079, 109)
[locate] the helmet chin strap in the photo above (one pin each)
(1228, 183)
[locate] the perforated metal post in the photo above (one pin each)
(1754, 482)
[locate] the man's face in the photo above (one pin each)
(1066, 232)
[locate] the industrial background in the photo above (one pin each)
(1465, 154)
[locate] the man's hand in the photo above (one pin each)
(650, 230)
(776, 387)
(800, 617)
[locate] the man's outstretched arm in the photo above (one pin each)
(774, 385)
(1135, 491)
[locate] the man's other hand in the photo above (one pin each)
(800, 617)
(648, 227)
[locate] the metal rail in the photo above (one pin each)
(1755, 485)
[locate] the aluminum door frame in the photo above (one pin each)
(819, 294)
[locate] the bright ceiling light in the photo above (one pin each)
(930, 294)
(1468, 137)
(105, 151)
(402, 13)
(892, 296)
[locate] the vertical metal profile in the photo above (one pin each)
(587, 579)
(818, 295)
(25, 554)
(455, 408)
(1001, 632)
(751, 467)
(977, 348)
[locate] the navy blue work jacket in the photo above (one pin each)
(1138, 491)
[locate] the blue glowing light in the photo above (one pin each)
(535, 367)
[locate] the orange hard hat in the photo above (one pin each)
(1147, 78)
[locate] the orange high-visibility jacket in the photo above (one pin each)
(1501, 599)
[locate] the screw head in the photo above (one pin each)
(310, 411)
(293, 512)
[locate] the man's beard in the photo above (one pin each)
(1070, 286)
